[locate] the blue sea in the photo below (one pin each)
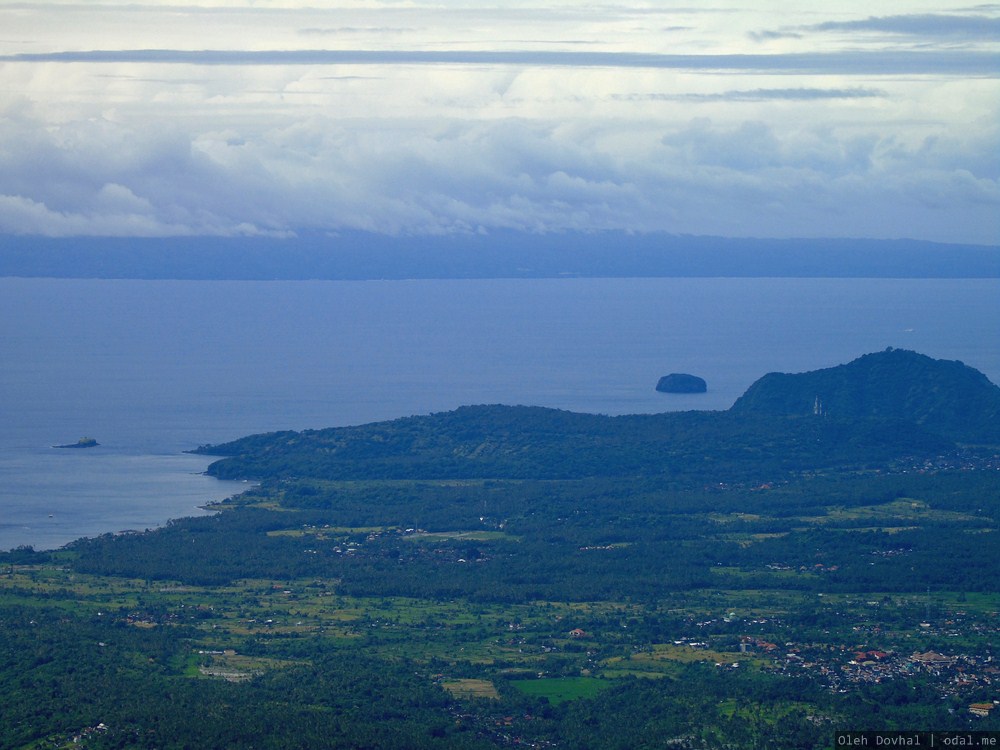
(154, 368)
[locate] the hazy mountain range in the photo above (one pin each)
(362, 255)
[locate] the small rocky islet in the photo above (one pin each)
(679, 382)
(84, 442)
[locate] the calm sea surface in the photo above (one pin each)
(153, 368)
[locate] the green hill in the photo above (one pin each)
(945, 397)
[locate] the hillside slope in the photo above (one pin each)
(945, 397)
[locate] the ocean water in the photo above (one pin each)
(153, 368)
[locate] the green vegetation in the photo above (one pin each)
(499, 575)
(949, 398)
(559, 689)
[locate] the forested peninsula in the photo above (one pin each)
(821, 557)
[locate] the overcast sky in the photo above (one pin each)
(765, 118)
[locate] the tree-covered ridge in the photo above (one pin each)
(946, 397)
(539, 443)
(877, 410)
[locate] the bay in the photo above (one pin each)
(153, 368)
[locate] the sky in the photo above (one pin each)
(154, 118)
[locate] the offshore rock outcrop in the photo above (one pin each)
(679, 382)
(84, 442)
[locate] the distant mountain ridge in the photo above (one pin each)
(945, 397)
(356, 255)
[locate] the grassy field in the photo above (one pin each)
(559, 689)
(470, 688)
(904, 509)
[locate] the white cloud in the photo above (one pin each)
(407, 117)
(31, 217)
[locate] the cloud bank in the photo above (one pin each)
(440, 119)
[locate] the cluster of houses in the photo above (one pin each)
(982, 709)
(841, 667)
(89, 732)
